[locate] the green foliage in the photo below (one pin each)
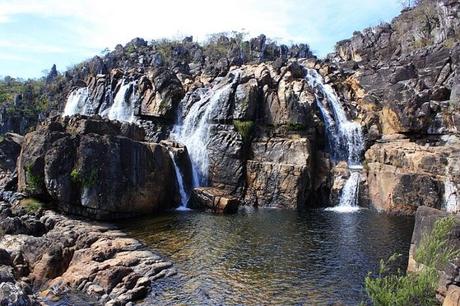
(34, 96)
(244, 128)
(130, 49)
(295, 127)
(398, 289)
(34, 182)
(31, 205)
(84, 180)
(434, 250)
(75, 176)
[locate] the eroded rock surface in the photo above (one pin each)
(71, 255)
(97, 168)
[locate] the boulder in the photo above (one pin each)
(213, 199)
(102, 176)
(161, 92)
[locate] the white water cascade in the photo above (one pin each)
(77, 102)
(122, 108)
(184, 197)
(194, 130)
(345, 139)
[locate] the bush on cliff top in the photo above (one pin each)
(416, 288)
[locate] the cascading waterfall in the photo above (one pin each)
(345, 139)
(184, 197)
(121, 109)
(77, 102)
(193, 131)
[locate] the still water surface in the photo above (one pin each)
(268, 256)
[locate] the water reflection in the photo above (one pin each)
(270, 256)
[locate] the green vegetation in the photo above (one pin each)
(244, 128)
(130, 49)
(419, 288)
(85, 181)
(295, 127)
(32, 92)
(34, 182)
(31, 205)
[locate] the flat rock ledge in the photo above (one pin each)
(213, 200)
(45, 257)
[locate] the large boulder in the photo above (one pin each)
(100, 175)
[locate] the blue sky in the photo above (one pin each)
(36, 34)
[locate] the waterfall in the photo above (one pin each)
(345, 139)
(121, 109)
(77, 102)
(450, 196)
(193, 131)
(184, 197)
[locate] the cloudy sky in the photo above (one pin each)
(36, 34)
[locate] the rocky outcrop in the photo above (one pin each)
(261, 127)
(279, 174)
(214, 200)
(10, 147)
(404, 175)
(401, 79)
(96, 168)
(425, 219)
(100, 262)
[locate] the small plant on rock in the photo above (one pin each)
(84, 180)
(33, 181)
(244, 128)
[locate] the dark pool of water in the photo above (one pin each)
(270, 256)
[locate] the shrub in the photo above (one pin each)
(34, 182)
(417, 288)
(85, 181)
(295, 127)
(244, 128)
(31, 205)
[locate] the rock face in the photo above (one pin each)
(10, 147)
(403, 175)
(102, 263)
(96, 168)
(448, 286)
(403, 79)
(279, 174)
